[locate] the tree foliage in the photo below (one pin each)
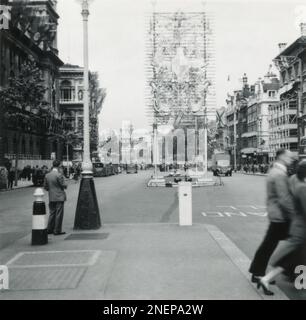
(97, 94)
(26, 89)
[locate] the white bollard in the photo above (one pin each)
(185, 203)
(39, 222)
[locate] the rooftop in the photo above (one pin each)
(300, 42)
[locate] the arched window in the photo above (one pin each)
(66, 83)
(67, 91)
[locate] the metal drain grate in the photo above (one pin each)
(80, 258)
(87, 236)
(41, 278)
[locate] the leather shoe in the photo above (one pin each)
(50, 232)
(59, 233)
(256, 279)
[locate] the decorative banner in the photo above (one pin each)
(180, 65)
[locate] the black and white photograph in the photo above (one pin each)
(153, 151)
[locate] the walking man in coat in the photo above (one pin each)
(280, 207)
(55, 185)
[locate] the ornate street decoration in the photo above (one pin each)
(179, 65)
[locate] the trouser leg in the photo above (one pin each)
(59, 217)
(264, 252)
(51, 222)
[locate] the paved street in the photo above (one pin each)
(236, 209)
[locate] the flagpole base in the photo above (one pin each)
(87, 216)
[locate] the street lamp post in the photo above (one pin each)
(87, 215)
(155, 148)
(205, 143)
(235, 140)
(67, 159)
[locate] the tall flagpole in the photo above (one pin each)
(87, 215)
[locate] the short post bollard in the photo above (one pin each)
(185, 203)
(39, 221)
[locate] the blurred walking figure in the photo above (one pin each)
(294, 251)
(280, 208)
(11, 178)
(55, 185)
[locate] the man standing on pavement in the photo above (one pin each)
(280, 207)
(55, 185)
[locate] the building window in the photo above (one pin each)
(23, 146)
(290, 73)
(293, 132)
(296, 70)
(283, 77)
(31, 146)
(67, 91)
(66, 94)
(272, 94)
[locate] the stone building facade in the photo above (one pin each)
(248, 121)
(32, 134)
(71, 106)
(289, 116)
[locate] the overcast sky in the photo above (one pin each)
(247, 36)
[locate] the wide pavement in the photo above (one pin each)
(236, 209)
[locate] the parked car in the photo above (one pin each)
(98, 169)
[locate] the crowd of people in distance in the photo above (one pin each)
(255, 168)
(36, 174)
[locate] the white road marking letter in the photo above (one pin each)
(212, 214)
(230, 214)
(233, 208)
(259, 214)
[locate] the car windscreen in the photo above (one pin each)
(98, 165)
(223, 163)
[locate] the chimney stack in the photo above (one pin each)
(245, 80)
(303, 29)
(282, 46)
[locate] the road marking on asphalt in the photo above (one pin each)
(239, 259)
(240, 214)
(256, 210)
(232, 207)
(236, 207)
(218, 214)
(212, 214)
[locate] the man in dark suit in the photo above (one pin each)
(55, 185)
(280, 207)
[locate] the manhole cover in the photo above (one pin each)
(42, 278)
(87, 236)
